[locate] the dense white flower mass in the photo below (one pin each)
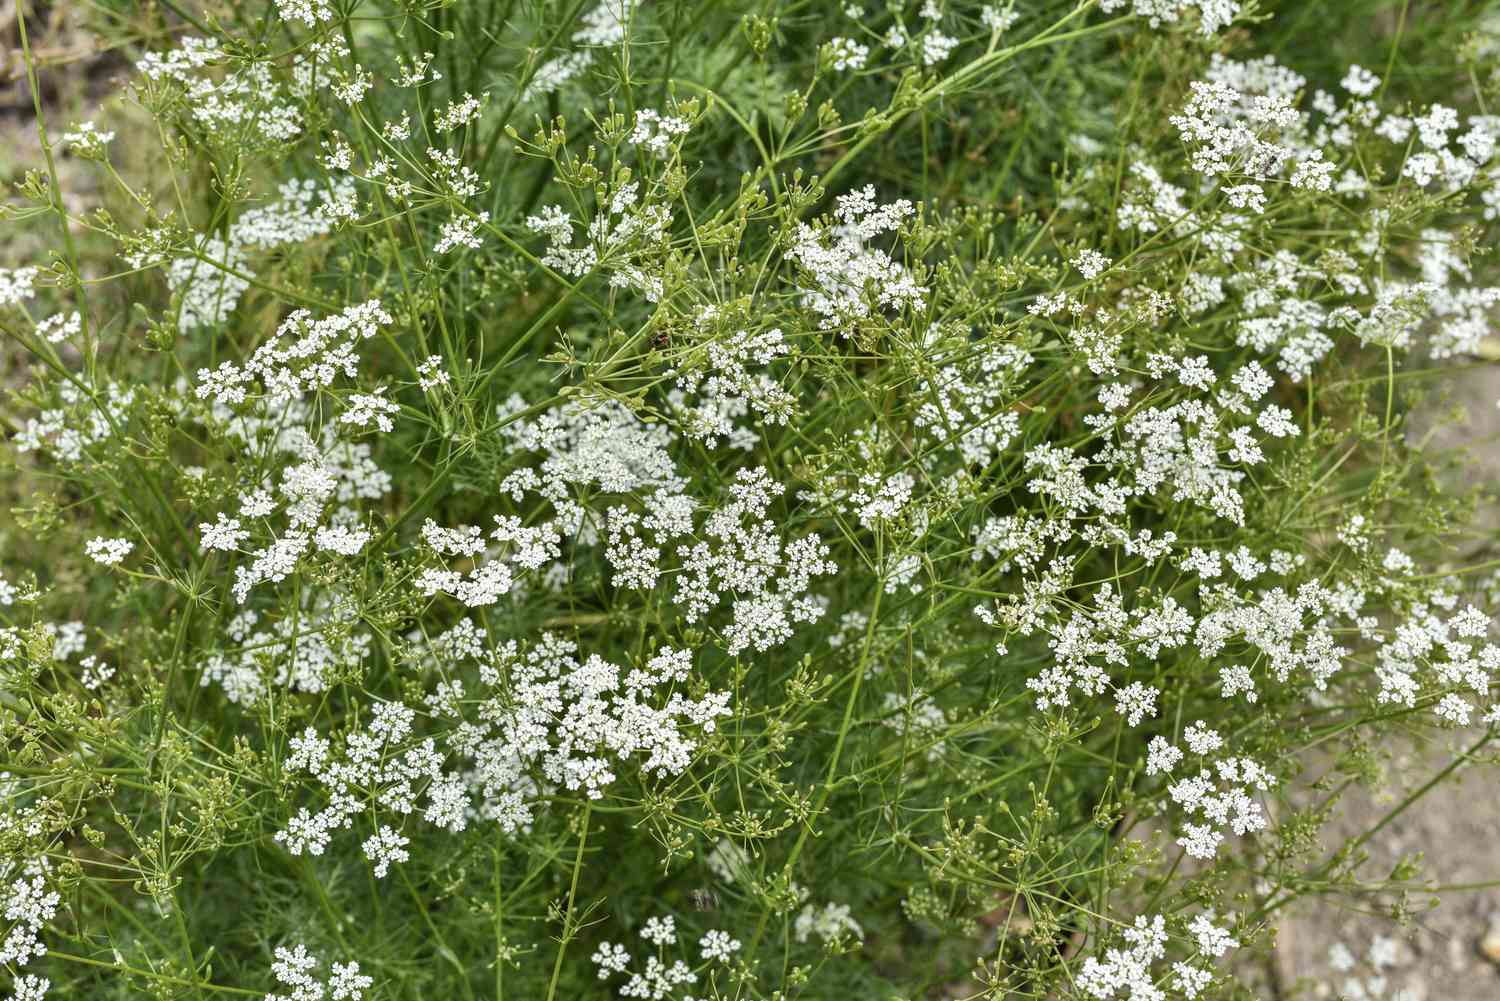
(296, 968)
(212, 280)
(224, 534)
(1129, 972)
(17, 286)
(108, 551)
(542, 720)
(704, 502)
(850, 279)
(831, 922)
(316, 475)
(304, 355)
(29, 903)
(1213, 15)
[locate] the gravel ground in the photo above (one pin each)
(1355, 949)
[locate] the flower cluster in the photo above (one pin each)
(210, 280)
(744, 476)
(295, 968)
(728, 383)
(833, 922)
(108, 551)
(602, 27)
(29, 903)
(540, 718)
(659, 979)
(622, 240)
(848, 279)
(262, 405)
(298, 652)
(81, 420)
(1127, 972)
(1213, 15)
(17, 286)
(1220, 799)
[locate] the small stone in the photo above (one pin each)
(1489, 944)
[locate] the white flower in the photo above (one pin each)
(29, 987)
(610, 958)
(1201, 740)
(660, 931)
(1433, 127)
(936, 47)
(1190, 980)
(348, 983)
(1453, 709)
(29, 904)
(17, 286)
(225, 534)
(341, 539)
(94, 673)
(830, 923)
(460, 231)
(656, 133)
(852, 279)
(1200, 841)
(430, 373)
(1277, 422)
(1091, 264)
(845, 54)
(1252, 380)
(384, 847)
(1114, 396)
(367, 407)
(1359, 81)
(108, 551)
(1212, 940)
(997, 20)
(1247, 196)
(351, 88)
(1235, 680)
(717, 945)
(60, 326)
(295, 968)
(1421, 168)
(1397, 562)
(1161, 756)
(457, 114)
(1136, 702)
(207, 290)
(309, 12)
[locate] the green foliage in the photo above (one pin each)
(965, 544)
